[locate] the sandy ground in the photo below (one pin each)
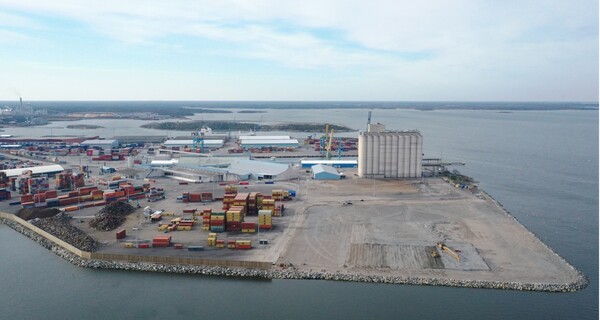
(391, 228)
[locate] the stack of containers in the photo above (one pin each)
(278, 212)
(217, 222)
(231, 244)
(252, 204)
(268, 204)
(97, 194)
(249, 227)
(265, 220)
(185, 225)
(4, 194)
(235, 216)
(230, 189)
(241, 200)
(228, 201)
(51, 199)
(186, 197)
(243, 244)
(206, 197)
(277, 194)
(259, 201)
(220, 243)
(206, 222)
(63, 181)
(195, 197)
(21, 185)
(36, 185)
(212, 239)
(78, 180)
(161, 241)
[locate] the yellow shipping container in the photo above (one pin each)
(205, 228)
(243, 242)
(162, 227)
(128, 245)
(220, 245)
(184, 228)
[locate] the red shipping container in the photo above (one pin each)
(27, 198)
(266, 226)
(51, 194)
(121, 234)
(248, 225)
(178, 246)
(217, 222)
(143, 245)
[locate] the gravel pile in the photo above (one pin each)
(111, 216)
(34, 213)
(60, 227)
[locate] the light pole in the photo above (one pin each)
(136, 235)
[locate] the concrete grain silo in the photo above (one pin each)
(390, 154)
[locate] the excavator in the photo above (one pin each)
(446, 249)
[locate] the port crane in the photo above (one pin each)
(198, 139)
(328, 148)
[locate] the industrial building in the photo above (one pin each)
(35, 171)
(208, 143)
(103, 144)
(140, 140)
(323, 172)
(389, 154)
(332, 163)
(200, 169)
(248, 142)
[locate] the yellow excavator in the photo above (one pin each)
(447, 249)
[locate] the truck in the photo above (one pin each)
(155, 195)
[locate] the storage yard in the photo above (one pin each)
(426, 228)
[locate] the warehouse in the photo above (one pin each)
(35, 171)
(264, 138)
(208, 143)
(323, 172)
(390, 154)
(140, 140)
(103, 144)
(332, 163)
(261, 170)
(269, 143)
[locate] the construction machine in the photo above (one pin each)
(449, 251)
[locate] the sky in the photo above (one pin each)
(279, 50)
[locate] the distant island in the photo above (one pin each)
(251, 111)
(243, 126)
(83, 126)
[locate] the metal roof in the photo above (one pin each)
(264, 138)
(329, 161)
(269, 141)
(109, 141)
(245, 167)
(34, 170)
(318, 168)
(207, 142)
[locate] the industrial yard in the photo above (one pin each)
(418, 227)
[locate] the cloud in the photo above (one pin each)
(457, 43)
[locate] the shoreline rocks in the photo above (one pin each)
(271, 274)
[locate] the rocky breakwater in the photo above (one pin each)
(481, 284)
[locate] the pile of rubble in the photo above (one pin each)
(60, 227)
(111, 216)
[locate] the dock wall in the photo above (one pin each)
(136, 258)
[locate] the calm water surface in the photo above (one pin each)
(541, 165)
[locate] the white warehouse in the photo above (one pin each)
(390, 154)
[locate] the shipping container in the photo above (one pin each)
(121, 234)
